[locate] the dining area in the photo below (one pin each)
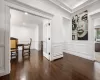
(14, 48)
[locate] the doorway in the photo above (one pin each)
(5, 30)
(25, 26)
(95, 23)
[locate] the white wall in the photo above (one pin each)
(66, 30)
(25, 33)
(57, 36)
(40, 34)
(84, 48)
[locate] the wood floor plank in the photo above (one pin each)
(36, 67)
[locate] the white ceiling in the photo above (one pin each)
(19, 18)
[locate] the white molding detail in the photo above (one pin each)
(80, 55)
(61, 5)
(84, 50)
(95, 15)
(56, 2)
(57, 50)
(26, 8)
(67, 18)
(74, 9)
(85, 4)
(58, 57)
(95, 12)
(81, 3)
(2, 59)
(46, 55)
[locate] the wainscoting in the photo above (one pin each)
(57, 50)
(84, 50)
(2, 57)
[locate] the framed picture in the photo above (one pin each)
(80, 26)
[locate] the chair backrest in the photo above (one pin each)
(13, 43)
(30, 41)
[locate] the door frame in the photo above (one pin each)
(47, 40)
(94, 15)
(22, 7)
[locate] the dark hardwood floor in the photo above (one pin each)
(39, 68)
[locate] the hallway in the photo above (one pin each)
(38, 67)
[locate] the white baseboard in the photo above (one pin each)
(57, 57)
(46, 55)
(80, 55)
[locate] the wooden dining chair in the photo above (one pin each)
(26, 49)
(13, 46)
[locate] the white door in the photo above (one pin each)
(4, 40)
(47, 40)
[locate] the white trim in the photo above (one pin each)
(81, 3)
(87, 3)
(94, 12)
(94, 15)
(57, 57)
(75, 8)
(57, 50)
(26, 8)
(66, 9)
(7, 40)
(6, 67)
(67, 18)
(46, 55)
(82, 56)
(58, 3)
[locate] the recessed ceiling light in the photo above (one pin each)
(26, 13)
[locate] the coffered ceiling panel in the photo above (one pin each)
(73, 3)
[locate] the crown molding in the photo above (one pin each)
(66, 18)
(95, 14)
(80, 3)
(74, 9)
(61, 5)
(85, 4)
